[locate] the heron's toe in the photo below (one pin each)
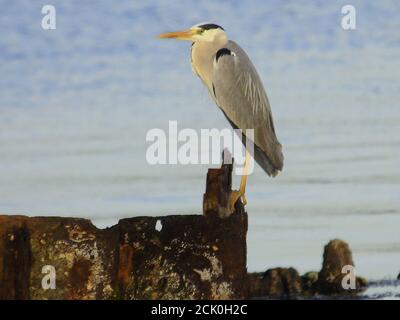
(244, 200)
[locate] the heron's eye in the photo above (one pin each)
(201, 31)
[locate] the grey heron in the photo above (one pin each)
(236, 88)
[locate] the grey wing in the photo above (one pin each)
(239, 92)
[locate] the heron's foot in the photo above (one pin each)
(244, 200)
(234, 197)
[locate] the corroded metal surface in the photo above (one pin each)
(186, 257)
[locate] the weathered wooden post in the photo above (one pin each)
(219, 188)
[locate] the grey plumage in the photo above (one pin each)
(238, 91)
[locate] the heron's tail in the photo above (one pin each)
(271, 165)
(272, 162)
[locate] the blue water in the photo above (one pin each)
(76, 104)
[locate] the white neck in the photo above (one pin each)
(202, 58)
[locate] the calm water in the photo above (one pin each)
(76, 104)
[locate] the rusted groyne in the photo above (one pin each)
(169, 257)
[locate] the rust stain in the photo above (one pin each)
(125, 263)
(76, 234)
(79, 276)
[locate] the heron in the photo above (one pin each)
(236, 88)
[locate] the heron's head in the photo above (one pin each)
(207, 32)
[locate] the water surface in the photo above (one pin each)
(76, 104)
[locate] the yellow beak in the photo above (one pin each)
(179, 35)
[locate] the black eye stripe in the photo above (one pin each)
(210, 26)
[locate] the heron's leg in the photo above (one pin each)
(237, 194)
(243, 182)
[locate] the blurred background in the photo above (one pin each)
(77, 102)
